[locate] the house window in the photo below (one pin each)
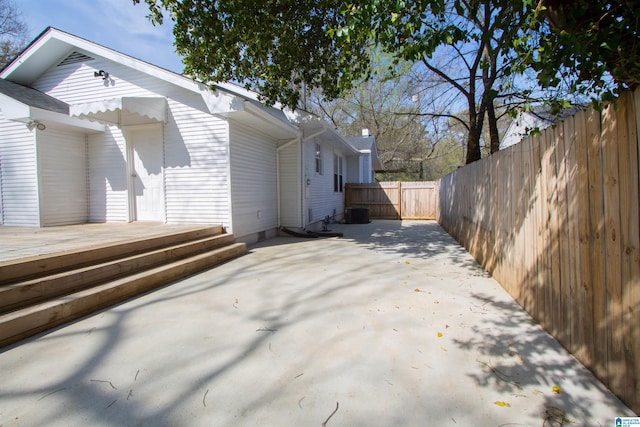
(318, 159)
(337, 173)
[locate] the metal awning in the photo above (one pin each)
(26, 105)
(123, 111)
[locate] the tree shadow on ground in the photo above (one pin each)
(412, 239)
(260, 311)
(520, 358)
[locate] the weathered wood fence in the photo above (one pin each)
(394, 200)
(555, 220)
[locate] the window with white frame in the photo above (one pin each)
(318, 159)
(337, 173)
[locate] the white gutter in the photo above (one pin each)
(249, 106)
(313, 135)
(285, 145)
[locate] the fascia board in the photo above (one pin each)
(13, 109)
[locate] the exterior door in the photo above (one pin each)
(146, 161)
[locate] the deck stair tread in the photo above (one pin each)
(38, 265)
(19, 294)
(33, 303)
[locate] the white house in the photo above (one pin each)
(88, 134)
(538, 118)
(362, 168)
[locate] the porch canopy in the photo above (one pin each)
(123, 111)
(24, 104)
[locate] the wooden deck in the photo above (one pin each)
(20, 242)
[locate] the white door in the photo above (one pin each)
(146, 173)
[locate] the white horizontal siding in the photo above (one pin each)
(196, 164)
(108, 200)
(107, 162)
(62, 171)
(18, 173)
(75, 83)
(253, 181)
(353, 166)
(290, 203)
(321, 199)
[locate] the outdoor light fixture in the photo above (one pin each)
(102, 74)
(33, 124)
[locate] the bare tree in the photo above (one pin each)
(13, 31)
(411, 146)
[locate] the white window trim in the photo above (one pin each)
(318, 159)
(338, 173)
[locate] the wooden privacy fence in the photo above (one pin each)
(394, 200)
(555, 220)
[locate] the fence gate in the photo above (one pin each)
(394, 200)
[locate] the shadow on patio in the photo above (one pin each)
(395, 322)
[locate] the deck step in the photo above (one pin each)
(40, 265)
(28, 321)
(22, 294)
(42, 292)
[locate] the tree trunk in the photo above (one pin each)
(493, 128)
(473, 145)
(476, 120)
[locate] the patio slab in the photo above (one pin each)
(392, 325)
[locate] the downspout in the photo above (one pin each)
(278, 183)
(39, 178)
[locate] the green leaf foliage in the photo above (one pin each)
(590, 46)
(277, 47)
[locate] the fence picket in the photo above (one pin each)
(556, 220)
(394, 200)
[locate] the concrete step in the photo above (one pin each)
(28, 321)
(24, 293)
(22, 269)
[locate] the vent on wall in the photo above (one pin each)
(74, 58)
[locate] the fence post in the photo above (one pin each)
(399, 199)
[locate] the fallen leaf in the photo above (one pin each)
(501, 403)
(407, 262)
(442, 348)
(439, 334)
(518, 358)
(416, 290)
(556, 389)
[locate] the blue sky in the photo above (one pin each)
(116, 24)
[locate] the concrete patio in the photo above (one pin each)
(392, 325)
